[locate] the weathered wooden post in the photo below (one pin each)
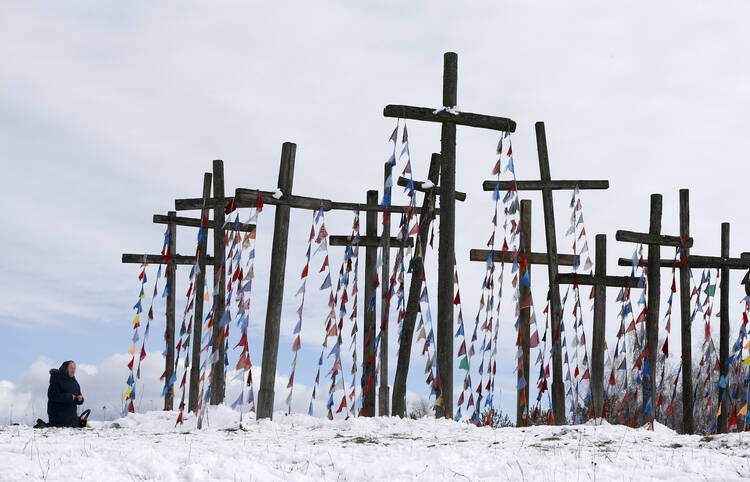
(368, 349)
(198, 288)
(654, 296)
(220, 280)
(276, 285)
(446, 240)
(600, 320)
(171, 272)
(398, 404)
(600, 281)
(685, 321)
(721, 425)
(522, 395)
(385, 289)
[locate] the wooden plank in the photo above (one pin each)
(196, 203)
(531, 258)
(419, 186)
(276, 285)
(650, 238)
(198, 288)
(555, 185)
(447, 238)
(245, 198)
(462, 118)
(600, 325)
(135, 258)
(595, 280)
(696, 261)
(385, 304)
(721, 424)
(688, 425)
(345, 206)
(558, 381)
(654, 295)
(398, 401)
(522, 395)
(368, 349)
(365, 241)
(169, 332)
(196, 222)
(219, 342)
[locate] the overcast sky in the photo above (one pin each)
(109, 111)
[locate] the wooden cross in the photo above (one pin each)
(654, 239)
(725, 264)
(448, 117)
(547, 185)
(481, 255)
(600, 281)
(371, 242)
(688, 424)
(284, 200)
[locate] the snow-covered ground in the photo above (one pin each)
(298, 447)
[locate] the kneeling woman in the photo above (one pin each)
(63, 396)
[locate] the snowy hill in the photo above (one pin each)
(148, 447)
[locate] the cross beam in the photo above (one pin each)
(600, 281)
(366, 241)
(134, 258)
(449, 118)
(420, 186)
(195, 223)
(246, 198)
(547, 185)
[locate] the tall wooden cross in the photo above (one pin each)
(725, 263)
(448, 117)
(600, 281)
(481, 255)
(655, 240)
(547, 185)
(284, 200)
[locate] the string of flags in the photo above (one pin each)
(296, 333)
(581, 374)
(243, 279)
(186, 331)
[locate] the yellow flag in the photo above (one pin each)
(747, 361)
(132, 349)
(743, 410)
(136, 319)
(127, 394)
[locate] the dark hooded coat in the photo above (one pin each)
(61, 402)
